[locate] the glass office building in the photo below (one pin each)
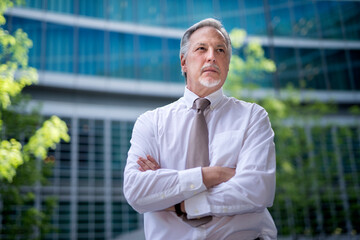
(102, 63)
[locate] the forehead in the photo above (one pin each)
(207, 35)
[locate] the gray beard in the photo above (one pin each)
(209, 84)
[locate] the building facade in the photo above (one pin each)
(102, 63)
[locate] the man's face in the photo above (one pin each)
(207, 61)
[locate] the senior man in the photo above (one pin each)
(203, 167)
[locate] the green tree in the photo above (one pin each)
(24, 140)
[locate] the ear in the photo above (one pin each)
(183, 63)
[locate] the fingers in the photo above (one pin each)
(147, 164)
(153, 162)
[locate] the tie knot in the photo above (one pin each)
(201, 104)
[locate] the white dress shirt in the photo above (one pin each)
(240, 136)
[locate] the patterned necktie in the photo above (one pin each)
(198, 149)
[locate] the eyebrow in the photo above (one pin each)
(204, 44)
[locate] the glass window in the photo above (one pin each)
(59, 48)
(124, 217)
(93, 9)
(120, 144)
(328, 12)
(351, 16)
(273, 3)
(313, 74)
(91, 52)
(84, 144)
(172, 65)
(337, 70)
(304, 20)
(121, 55)
(63, 6)
(202, 9)
(280, 19)
(355, 63)
(150, 59)
(176, 14)
(232, 15)
(64, 218)
(149, 12)
(286, 67)
(120, 10)
(33, 4)
(33, 29)
(255, 17)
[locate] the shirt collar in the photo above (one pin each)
(214, 98)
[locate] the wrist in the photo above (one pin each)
(178, 210)
(210, 176)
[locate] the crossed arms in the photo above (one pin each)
(217, 191)
(211, 176)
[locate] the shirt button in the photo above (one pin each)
(196, 211)
(192, 186)
(162, 196)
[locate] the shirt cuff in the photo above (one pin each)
(191, 182)
(197, 206)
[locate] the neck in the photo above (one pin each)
(203, 92)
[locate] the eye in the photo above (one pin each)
(201, 49)
(221, 50)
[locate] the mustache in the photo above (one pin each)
(210, 66)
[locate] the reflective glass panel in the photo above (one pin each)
(172, 66)
(202, 9)
(328, 12)
(33, 3)
(150, 59)
(286, 67)
(120, 10)
(91, 52)
(232, 16)
(312, 70)
(337, 70)
(33, 30)
(176, 14)
(121, 55)
(351, 18)
(304, 20)
(149, 12)
(63, 6)
(355, 63)
(59, 48)
(280, 19)
(255, 17)
(93, 8)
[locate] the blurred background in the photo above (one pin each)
(101, 63)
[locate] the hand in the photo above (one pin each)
(215, 175)
(172, 208)
(147, 164)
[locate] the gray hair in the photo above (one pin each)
(209, 22)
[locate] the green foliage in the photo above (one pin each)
(14, 71)
(10, 158)
(15, 74)
(25, 138)
(247, 63)
(4, 5)
(53, 131)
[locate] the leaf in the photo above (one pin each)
(10, 159)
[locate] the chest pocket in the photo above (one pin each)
(225, 148)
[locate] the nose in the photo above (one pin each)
(211, 56)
